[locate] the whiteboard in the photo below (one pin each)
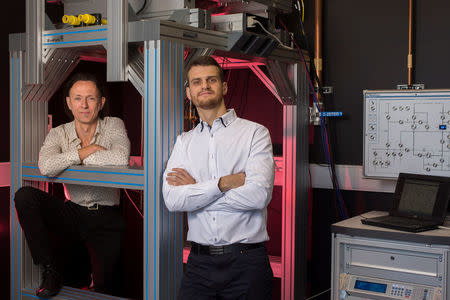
(406, 131)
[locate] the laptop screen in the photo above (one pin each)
(418, 197)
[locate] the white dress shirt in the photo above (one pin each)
(232, 145)
(60, 151)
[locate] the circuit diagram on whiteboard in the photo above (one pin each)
(406, 131)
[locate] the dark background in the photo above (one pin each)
(365, 47)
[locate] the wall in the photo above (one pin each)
(365, 47)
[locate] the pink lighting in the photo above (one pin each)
(234, 63)
(99, 59)
(4, 174)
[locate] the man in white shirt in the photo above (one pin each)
(221, 173)
(92, 215)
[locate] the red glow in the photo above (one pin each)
(136, 161)
(93, 58)
(4, 229)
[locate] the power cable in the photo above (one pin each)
(272, 35)
(317, 295)
(341, 206)
(323, 127)
(132, 202)
(142, 8)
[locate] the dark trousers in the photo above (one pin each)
(42, 217)
(232, 276)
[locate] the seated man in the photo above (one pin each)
(91, 215)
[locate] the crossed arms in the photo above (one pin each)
(243, 191)
(57, 154)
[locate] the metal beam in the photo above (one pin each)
(300, 250)
(33, 54)
(118, 177)
(117, 46)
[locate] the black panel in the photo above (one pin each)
(4, 242)
(365, 47)
(13, 24)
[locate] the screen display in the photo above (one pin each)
(370, 286)
(418, 197)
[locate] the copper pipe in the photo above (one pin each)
(410, 57)
(318, 42)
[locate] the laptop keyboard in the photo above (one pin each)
(408, 222)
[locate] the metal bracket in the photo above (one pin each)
(314, 116)
(415, 86)
(135, 68)
(282, 82)
(325, 90)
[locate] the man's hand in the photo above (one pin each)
(88, 150)
(179, 176)
(233, 181)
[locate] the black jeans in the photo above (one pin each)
(232, 276)
(42, 216)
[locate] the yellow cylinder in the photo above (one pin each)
(87, 19)
(71, 20)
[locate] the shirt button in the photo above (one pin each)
(212, 135)
(214, 219)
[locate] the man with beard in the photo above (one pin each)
(221, 173)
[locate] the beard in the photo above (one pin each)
(208, 103)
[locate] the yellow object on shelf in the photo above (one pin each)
(87, 19)
(71, 20)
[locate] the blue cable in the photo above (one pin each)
(342, 211)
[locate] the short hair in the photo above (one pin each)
(204, 61)
(86, 77)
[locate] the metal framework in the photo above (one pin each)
(157, 74)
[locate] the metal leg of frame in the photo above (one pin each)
(163, 117)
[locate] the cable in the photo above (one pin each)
(129, 198)
(142, 8)
(317, 295)
(324, 135)
(331, 165)
(272, 35)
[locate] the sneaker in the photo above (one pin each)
(51, 282)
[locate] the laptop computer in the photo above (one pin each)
(420, 203)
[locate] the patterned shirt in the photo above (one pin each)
(232, 145)
(60, 151)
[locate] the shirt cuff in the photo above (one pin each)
(73, 157)
(212, 189)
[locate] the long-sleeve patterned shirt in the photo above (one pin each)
(230, 146)
(60, 151)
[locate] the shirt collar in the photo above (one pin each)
(72, 133)
(224, 120)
